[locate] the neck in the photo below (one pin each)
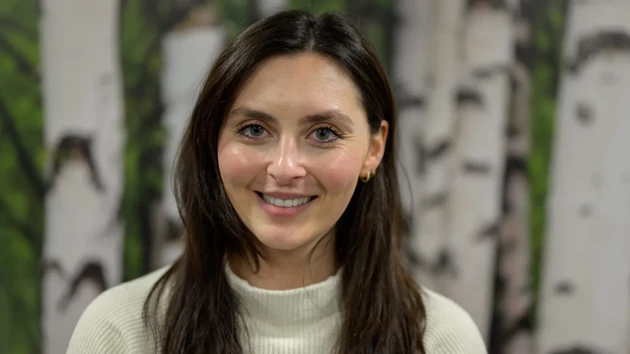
(284, 270)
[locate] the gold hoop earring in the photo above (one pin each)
(367, 177)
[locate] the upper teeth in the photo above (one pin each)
(286, 203)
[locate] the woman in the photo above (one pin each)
(286, 182)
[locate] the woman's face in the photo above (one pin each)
(292, 149)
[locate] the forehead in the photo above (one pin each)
(300, 83)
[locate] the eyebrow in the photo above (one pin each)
(320, 117)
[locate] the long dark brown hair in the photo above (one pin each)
(383, 311)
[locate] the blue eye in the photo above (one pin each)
(326, 135)
(252, 131)
(323, 134)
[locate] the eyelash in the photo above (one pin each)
(338, 134)
(335, 131)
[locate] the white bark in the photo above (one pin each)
(83, 111)
(585, 293)
(476, 193)
(437, 136)
(514, 298)
(410, 76)
(270, 7)
(188, 55)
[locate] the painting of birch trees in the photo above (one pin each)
(514, 121)
(84, 137)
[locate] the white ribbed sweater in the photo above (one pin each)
(299, 321)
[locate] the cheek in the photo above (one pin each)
(237, 164)
(340, 173)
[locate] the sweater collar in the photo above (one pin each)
(292, 307)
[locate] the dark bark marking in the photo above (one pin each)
(436, 200)
(73, 146)
(91, 271)
(509, 246)
(523, 324)
(413, 258)
(512, 130)
(476, 167)
(602, 41)
(411, 101)
(586, 210)
(405, 99)
(51, 265)
(584, 113)
(421, 155)
(444, 263)
(466, 95)
(407, 223)
(173, 230)
(564, 287)
(577, 350)
(488, 231)
(515, 84)
(438, 150)
(115, 219)
(490, 70)
(514, 165)
(497, 4)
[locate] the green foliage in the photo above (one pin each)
(144, 25)
(548, 25)
(236, 15)
(318, 7)
(140, 44)
(379, 34)
(377, 21)
(21, 186)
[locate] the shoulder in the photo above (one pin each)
(112, 322)
(449, 329)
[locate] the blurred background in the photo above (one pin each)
(514, 125)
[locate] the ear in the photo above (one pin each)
(377, 149)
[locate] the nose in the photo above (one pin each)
(286, 162)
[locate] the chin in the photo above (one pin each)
(281, 243)
(283, 240)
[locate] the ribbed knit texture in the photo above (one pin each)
(302, 320)
(298, 321)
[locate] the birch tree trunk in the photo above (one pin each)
(585, 293)
(270, 7)
(474, 209)
(410, 77)
(436, 138)
(83, 112)
(513, 291)
(189, 51)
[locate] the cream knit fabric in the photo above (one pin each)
(298, 321)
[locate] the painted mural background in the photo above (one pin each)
(514, 135)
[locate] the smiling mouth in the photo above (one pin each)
(285, 203)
